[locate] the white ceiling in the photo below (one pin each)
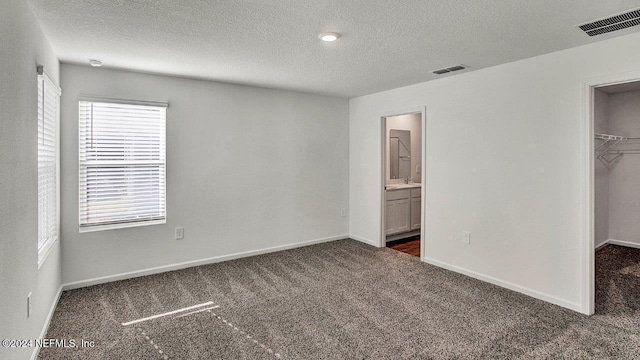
(385, 44)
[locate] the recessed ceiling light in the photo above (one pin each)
(95, 63)
(329, 36)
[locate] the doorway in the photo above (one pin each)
(614, 167)
(403, 195)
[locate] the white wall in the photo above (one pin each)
(22, 47)
(601, 172)
(624, 186)
(247, 169)
(412, 123)
(505, 160)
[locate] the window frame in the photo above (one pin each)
(124, 224)
(48, 85)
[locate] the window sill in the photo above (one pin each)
(44, 252)
(121, 226)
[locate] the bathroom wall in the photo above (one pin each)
(624, 175)
(601, 186)
(412, 123)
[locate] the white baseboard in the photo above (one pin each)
(621, 243)
(508, 285)
(364, 240)
(188, 264)
(602, 244)
(45, 327)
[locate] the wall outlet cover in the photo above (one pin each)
(29, 305)
(179, 233)
(466, 238)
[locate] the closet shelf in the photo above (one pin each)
(611, 147)
(608, 137)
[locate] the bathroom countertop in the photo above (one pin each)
(403, 186)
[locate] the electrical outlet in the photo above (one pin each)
(466, 237)
(179, 233)
(28, 305)
(343, 212)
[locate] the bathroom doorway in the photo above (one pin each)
(403, 195)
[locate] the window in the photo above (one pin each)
(122, 164)
(48, 189)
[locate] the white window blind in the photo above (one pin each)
(122, 164)
(48, 119)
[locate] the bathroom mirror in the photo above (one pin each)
(399, 154)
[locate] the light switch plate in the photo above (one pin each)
(179, 233)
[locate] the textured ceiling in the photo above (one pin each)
(385, 43)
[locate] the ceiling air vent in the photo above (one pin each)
(613, 23)
(449, 69)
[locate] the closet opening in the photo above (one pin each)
(403, 182)
(616, 201)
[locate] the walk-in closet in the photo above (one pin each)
(617, 198)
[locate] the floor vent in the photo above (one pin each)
(613, 23)
(449, 69)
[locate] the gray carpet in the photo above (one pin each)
(344, 300)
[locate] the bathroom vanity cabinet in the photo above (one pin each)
(402, 210)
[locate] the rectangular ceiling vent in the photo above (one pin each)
(613, 23)
(449, 69)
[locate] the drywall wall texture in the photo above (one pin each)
(601, 172)
(247, 169)
(505, 160)
(624, 188)
(23, 47)
(412, 123)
